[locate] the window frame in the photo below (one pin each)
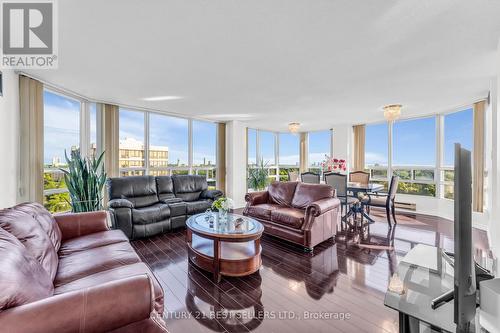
(170, 170)
(84, 132)
(439, 167)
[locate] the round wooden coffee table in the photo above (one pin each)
(230, 247)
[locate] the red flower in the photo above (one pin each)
(335, 160)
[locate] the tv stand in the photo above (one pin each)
(413, 303)
(481, 275)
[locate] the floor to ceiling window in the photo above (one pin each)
(168, 145)
(414, 155)
(205, 150)
(377, 152)
(289, 154)
(170, 150)
(132, 143)
(458, 127)
(420, 151)
(61, 137)
(320, 147)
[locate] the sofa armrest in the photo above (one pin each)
(322, 206)
(256, 198)
(100, 308)
(211, 194)
(80, 224)
(120, 203)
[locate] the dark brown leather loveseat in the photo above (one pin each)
(304, 214)
(70, 273)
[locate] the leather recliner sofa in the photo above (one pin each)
(70, 273)
(304, 214)
(143, 206)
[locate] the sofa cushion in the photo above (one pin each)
(200, 206)
(22, 278)
(305, 194)
(262, 211)
(23, 226)
(189, 187)
(77, 265)
(288, 216)
(165, 187)
(113, 275)
(281, 193)
(140, 190)
(151, 214)
(45, 219)
(92, 241)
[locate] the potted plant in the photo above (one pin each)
(85, 179)
(223, 205)
(258, 177)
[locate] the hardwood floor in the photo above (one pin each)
(340, 286)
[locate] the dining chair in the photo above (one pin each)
(361, 177)
(387, 201)
(310, 177)
(339, 182)
(293, 176)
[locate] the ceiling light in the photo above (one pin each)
(161, 98)
(392, 111)
(293, 127)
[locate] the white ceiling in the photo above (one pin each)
(272, 62)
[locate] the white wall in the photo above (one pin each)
(342, 142)
(494, 174)
(236, 162)
(9, 138)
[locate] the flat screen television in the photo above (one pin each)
(467, 273)
(464, 271)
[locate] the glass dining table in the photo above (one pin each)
(354, 189)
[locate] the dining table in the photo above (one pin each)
(354, 188)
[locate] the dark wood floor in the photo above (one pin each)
(343, 280)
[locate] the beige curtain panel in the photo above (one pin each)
(110, 142)
(31, 139)
(478, 153)
(359, 147)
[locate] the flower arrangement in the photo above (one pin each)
(333, 164)
(223, 204)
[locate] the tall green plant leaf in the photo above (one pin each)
(85, 179)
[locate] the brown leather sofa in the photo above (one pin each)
(70, 273)
(304, 214)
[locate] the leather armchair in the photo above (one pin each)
(305, 214)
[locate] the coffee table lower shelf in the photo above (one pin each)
(225, 257)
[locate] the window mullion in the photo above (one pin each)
(146, 142)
